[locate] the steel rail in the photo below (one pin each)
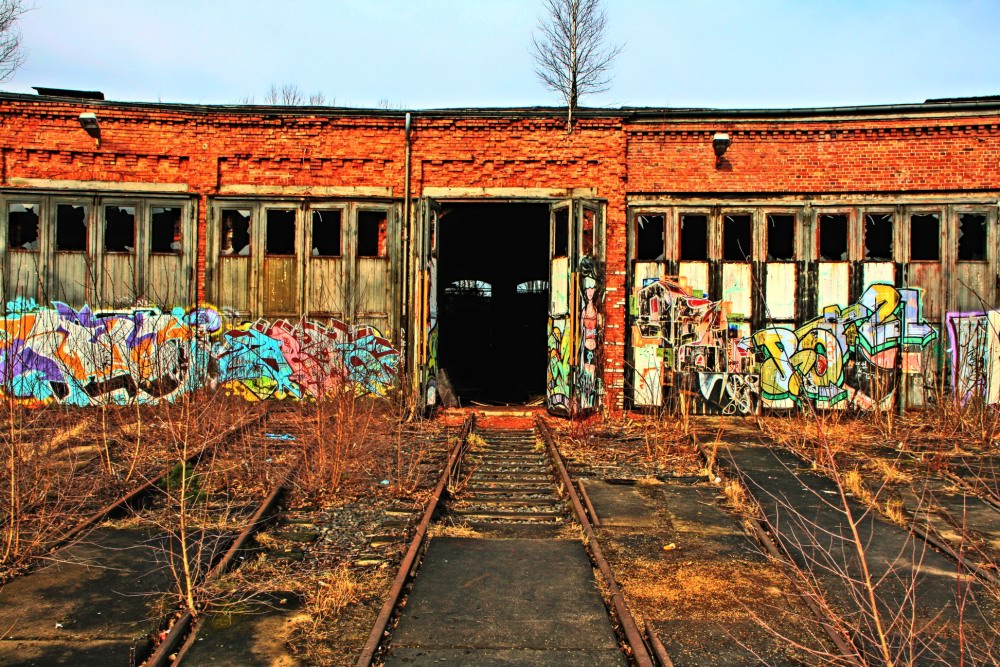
(761, 527)
(633, 636)
(594, 519)
(929, 534)
(408, 568)
(659, 650)
(986, 495)
(182, 630)
(133, 497)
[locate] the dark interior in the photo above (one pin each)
(491, 335)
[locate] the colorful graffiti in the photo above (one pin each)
(83, 357)
(430, 366)
(846, 356)
(558, 371)
(574, 342)
(586, 386)
(675, 332)
(728, 393)
(974, 343)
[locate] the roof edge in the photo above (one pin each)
(627, 113)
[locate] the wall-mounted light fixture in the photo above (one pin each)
(88, 121)
(720, 143)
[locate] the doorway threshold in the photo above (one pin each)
(495, 416)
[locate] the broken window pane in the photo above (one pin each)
(71, 227)
(22, 227)
(235, 232)
(737, 238)
(533, 287)
(326, 234)
(649, 237)
(280, 236)
(780, 237)
(165, 237)
(833, 237)
(972, 237)
(119, 229)
(694, 238)
(372, 228)
(477, 288)
(560, 247)
(878, 237)
(587, 233)
(925, 237)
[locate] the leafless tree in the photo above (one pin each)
(11, 56)
(288, 94)
(570, 55)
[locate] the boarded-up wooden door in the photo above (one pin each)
(235, 242)
(23, 267)
(372, 288)
(167, 248)
(282, 270)
(327, 283)
(879, 246)
(781, 271)
(559, 373)
(832, 265)
(427, 313)
(576, 286)
(589, 312)
(73, 278)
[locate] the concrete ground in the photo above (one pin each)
(505, 602)
(922, 597)
(688, 567)
(91, 606)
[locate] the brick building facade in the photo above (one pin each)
(846, 256)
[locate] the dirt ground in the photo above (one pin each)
(312, 590)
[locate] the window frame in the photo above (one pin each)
(941, 235)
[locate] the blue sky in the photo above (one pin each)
(443, 53)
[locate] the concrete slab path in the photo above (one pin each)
(922, 597)
(92, 606)
(505, 602)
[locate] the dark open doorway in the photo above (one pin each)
(493, 300)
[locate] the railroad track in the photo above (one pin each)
(789, 500)
(926, 503)
(505, 484)
(136, 548)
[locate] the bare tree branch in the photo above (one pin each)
(569, 51)
(288, 95)
(11, 55)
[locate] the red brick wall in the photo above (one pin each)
(895, 155)
(208, 150)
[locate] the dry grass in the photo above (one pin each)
(737, 497)
(854, 482)
(452, 530)
(692, 590)
(332, 593)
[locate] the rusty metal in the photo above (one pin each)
(659, 650)
(987, 495)
(163, 655)
(929, 535)
(408, 567)
(133, 497)
(633, 635)
(776, 552)
(594, 519)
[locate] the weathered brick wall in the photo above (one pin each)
(870, 155)
(209, 150)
